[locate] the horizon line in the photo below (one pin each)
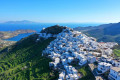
(55, 22)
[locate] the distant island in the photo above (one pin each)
(20, 22)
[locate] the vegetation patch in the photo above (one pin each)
(86, 73)
(116, 51)
(23, 61)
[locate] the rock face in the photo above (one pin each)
(73, 46)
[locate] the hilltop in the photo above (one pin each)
(53, 29)
(106, 32)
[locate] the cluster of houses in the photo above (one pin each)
(110, 65)
(114, 71)
(4, 43)
(74, 47)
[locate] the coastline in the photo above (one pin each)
(4, 35)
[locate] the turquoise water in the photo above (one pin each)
(36, 27)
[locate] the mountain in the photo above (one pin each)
(106, 32)
(20, 22)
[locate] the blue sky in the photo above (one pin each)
(76, 11)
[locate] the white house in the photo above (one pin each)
(70, 59)
(96, 54)
(62, 76)
(104, 58)
(103, 67)
(44, 35)
(108, 51)
(75, 54)
(91, 59)
(114, 73)
(64, 61)
(74, 71)
(57, 60)
(72, 77)
(76, 77)
(83, 62)
(80, 56)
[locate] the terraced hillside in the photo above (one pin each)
(23, 61)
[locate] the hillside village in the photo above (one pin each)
(74, 47)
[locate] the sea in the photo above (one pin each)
(38, 27)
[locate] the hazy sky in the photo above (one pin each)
(60, 10)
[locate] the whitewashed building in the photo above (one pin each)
(83, 62)
(62, 76)
(114, 73)
(91, 59)
(103, 67)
